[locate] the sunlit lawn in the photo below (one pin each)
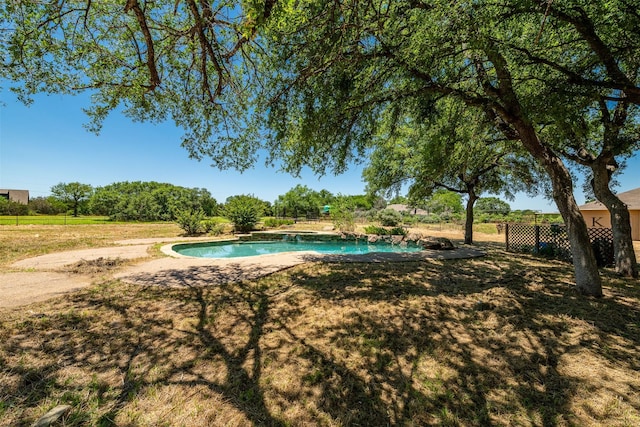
(501, 340)
(52, 220)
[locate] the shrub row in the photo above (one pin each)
(381, 231)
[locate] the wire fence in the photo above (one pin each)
(52, 220)
(552, 241)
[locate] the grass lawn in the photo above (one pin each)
(501, 340)
(52, 220)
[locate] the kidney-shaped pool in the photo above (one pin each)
(245, 249)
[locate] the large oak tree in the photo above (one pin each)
(340, 65)
(455, 148)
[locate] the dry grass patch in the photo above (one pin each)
(96, 266)
(502, 340)
(25, 241)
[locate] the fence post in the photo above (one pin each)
(506, 235)
(537, 247)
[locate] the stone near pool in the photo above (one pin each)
(436, 243)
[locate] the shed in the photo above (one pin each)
(18, 196)
(407, 209)
(596, 214)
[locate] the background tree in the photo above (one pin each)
(72, 194)
(302, 200)
(443, 201)
(149, 201)
(244, 211)
(363, 202)
(454, 148)
(493, 205)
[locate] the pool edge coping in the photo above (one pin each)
(467, 253)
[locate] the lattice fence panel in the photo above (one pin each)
(552, 241)
(602, 242)
(521, 238)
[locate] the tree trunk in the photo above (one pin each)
(584, 260)
(588, 279)
(468, 226)
(625, 256)
(510, 110)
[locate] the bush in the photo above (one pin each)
(12, 208)
(244, 212)
(409, 219)
(371, 215)
(397, 231)
(46, 205)
(374, 229)
(430, 219)
(190, 221)
(343, 215)
(212, 226)
(381, 231)
(389, 217)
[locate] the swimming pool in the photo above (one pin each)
(246, 249)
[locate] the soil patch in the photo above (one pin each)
(23, 288)
(95, 266)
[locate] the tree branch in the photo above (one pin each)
(583, 24)
(151, 60)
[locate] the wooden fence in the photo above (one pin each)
(552, 241)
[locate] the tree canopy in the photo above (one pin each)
(493, 205)
(302, 201)
(185, 61)
(599, 138)
(149, 201)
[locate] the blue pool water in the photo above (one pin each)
(243, 249)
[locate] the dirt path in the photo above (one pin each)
(47, 276)
(19, 289)
(59, 260)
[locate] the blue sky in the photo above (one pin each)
(45, 143)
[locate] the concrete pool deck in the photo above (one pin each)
(47, 276)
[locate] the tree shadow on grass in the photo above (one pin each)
(135, 340)
(468, 342)
(489, 321)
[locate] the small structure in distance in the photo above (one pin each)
(18, 196)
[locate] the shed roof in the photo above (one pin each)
(406, 208)
(631, 198)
